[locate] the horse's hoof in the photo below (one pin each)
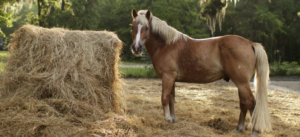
(170, 120)
(173, 119)
(254, 134)
(238, 131)
(249, 126)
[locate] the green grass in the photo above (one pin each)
(133, 63)
(137, 72)
(284, 69)
(2, 66)
(3, 56)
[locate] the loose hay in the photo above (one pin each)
(203, 110)
(59, 82)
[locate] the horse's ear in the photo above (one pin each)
(134, 13)
(148, 14)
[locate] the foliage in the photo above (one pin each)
(285, 68)
(7, 10)
(272, 24)
(5, 19)
(17, 19)
(276, 25)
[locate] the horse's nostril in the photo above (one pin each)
(133, 47)
(140, 48)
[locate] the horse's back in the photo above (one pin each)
(208, 60)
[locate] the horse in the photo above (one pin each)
(176, 57)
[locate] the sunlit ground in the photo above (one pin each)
(202, 110)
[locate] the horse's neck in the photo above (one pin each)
(154, 45)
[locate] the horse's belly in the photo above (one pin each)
(199, 65)
(199, 75)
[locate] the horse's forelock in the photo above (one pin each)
(142, 12)
(141, 18)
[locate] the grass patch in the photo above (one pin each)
(3, 56)
(3, 59)
(2, 66)
(146, 72)
(133, 63)
(285, 69)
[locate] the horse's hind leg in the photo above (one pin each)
(247, 102)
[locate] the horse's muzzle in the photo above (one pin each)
(137, 50)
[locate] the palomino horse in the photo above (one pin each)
(178, 58)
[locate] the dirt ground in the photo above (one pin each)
(285, 86)
(204, 110)
(285, 83)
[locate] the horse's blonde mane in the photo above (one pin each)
(168, 33)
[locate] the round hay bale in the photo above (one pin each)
(54, 77)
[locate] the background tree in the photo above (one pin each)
(214, 11)
(12, 15)
(276, 25)
(6, 14)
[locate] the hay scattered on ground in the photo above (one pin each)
(59, 82)
(202, 110)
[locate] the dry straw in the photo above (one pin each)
(57, 82)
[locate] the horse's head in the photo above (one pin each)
(140, 30)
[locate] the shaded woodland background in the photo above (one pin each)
(275, 24)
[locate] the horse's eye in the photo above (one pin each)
(131, 27)
(147, 28)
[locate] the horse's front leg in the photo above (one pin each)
(167, 99)
(171, 103)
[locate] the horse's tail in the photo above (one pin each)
(261, 116)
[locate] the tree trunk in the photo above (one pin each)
(39, 2)
(63, 5)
